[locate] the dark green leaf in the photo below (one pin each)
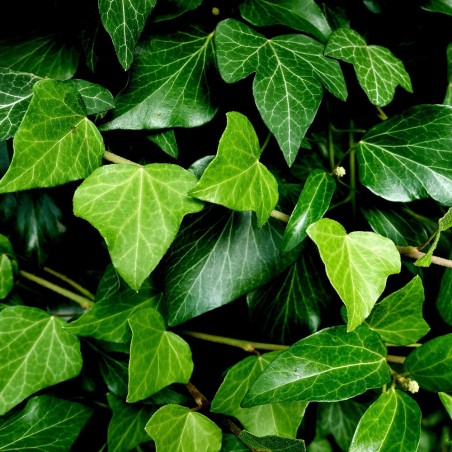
(447, 402)
(286, 99)
(392, 422)
(272, 443)
(96, 98)
(319, 444)
(170, 9)
(448, 96)
(409, 156)
(115, 374)
(166, 141)
(36, 353)
(44, 424)
(218, 258)
(439, 6)
(306, 16)
(231, 443)
(329, 365)
(431, 364)
(443, 303)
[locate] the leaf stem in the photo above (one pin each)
(267, 140)
(280, 216)
(395, 359)
(113, 158)
(414, 253)
(71, 282)
(85, 303)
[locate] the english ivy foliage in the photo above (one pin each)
(191, 176)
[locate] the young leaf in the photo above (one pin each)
(124, 22)
(55, 143)
(96, 98)
(286, 99)
(36, 352)
(392, 422)
(443, 303)
(166, 141)
(177, 428)
(218, 258)
(307, 17)
(379, 72)
(235, 178)
(329, 365)
(168, 84)
(312, 204)
(15, 96)
(138, 211)
(357, 265)
(447, 402)
(46, 423)
(157, 357)
(408, 156)
(126, 427)
(431, 364)
(398, 318)
(272, 443)
(280, 419)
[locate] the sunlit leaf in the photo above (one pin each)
(96, 98)
(6, 276)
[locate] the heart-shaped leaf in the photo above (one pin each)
(236, 169)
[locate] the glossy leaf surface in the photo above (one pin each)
(96, 98)
(272, 443)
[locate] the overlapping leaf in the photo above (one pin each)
(166, 141)
(124, 21)
(235, 178)
(409, 156)
(438, 6)
(174, 8)
(287, 99)
(96, 98)
(157, 357)
(306, 16)
(55, 142)
(379, 72)
(272, 443)
(46, 423)
(447, 402)
(329, 365)
(357, 265)
(280, 419)
(168, 85)
(138, 211)
(36, 353)
(392, 422)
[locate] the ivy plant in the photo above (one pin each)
(225, 226)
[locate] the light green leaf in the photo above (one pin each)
(157, 357)
(44, 56)
(357, 265)
(44, 424)
(280, 419)
(36, 353)
(392, 422)
(235, 178)
(168, 84)
(329, 365)
(319, 444)
(447, 402)
(177, 428)
(379, 72)
(138, 211)
(126, 427)
(6, 276)
(272, 443)
(218, 258)
(166, 141)
(306, 16)
(431, 364)
(398, 318)
(448, 96)
(96, 98)
(409, 156)
(443, 303)
(439, 6)
(16, 90)
(124, 21)
(286, 99)
(312, 204)
(55, 143)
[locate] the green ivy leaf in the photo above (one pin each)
(319, 444)
(236, 170)
(307, 17)
(357, 265)
(171, 9)
(280, 419)
(431, 364)
(398, 318)
(36, 352)
(46, 423)
(392, 422)
(379, 72)
(138, 211)
(448, 96)
(157, 357)
(329, 365)
(124, 22)
(96, 98)
(312, 204)
(286, 99)
(443, 303)
(447, 402)
(177, 428)
(6, 276)
(166, 141)
(168, 84)
(231, 443)
(126, 427)
(218, 258)
(439, 6)
(15, 96)
(407, 157)
(272, 443)
(44, 56)
(55, 143)
(115, 373)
